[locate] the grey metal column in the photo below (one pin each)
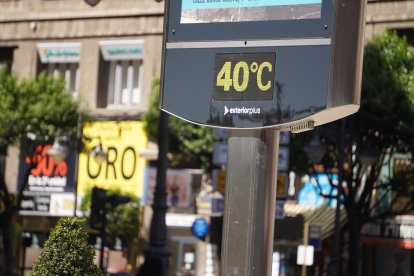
(249, 214)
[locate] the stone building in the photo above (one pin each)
(109, 52)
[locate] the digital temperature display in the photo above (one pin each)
(239, 77)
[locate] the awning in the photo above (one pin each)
(323, 216)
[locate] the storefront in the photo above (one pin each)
(389, 245)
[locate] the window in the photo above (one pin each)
(121, 74)
(61, 59)
(69, 72)
(6, 57)
(123, 82)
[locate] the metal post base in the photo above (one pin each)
(250, 203)
(156, 262)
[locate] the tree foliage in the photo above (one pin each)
(191, 145)
(41, 109)
(9, 109)
(386, 117)
(123, 220)
(382, 128)
(67, 252)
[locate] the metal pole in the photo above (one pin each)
(305, 243)
(249, 216)
(156, 256)
(103, 239)
(78, 150)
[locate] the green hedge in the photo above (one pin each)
(67, 252)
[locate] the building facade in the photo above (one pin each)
(109, 53)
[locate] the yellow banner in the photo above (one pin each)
(124, 168)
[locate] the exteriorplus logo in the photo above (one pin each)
(242, 110)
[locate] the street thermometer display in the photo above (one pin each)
(241, 77)
(285, 64)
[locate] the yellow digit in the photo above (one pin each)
(263, 87)
(245, 80)
(223, 77)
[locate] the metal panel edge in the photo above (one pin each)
(347, 53)
(249, 43)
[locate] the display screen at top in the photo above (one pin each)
(211, 11)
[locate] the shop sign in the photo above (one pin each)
(390, 229)
(122, 50)
(59, 52)
(47, 179)
(178, 187)
(124, 168)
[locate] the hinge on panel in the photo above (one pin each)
(302, 126)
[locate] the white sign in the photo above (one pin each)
(122, 49)
(179, 220)
(59, 52)
(305, 255)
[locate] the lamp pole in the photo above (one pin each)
(156, 256)
(336, 259)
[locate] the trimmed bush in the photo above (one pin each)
(67, 252)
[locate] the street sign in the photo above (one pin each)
(288, 64)
(200, 228)
(315, 236)
(305, 255)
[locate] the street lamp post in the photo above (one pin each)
(157, 255)
(315, 152)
